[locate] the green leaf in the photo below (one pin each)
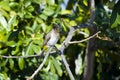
(52, 68)
(11, 43)
(57, 66)
(78, 65)
(11, 63)
(117, 22)
(21, 14)
(4, 76)
(30, 8)
(28, 15)
(48, 67)
(85, 2)
(13, 4)
(29, 50)
(3, 22)
(36, 48)
(5, 5)
(49, 76)
(48, 11)
(4, 13)
(115, 17)
(2, 37)
(3, 51)
(65, 12)
(4, 63)
(73, 23)
(37, 1)
(21, 63)
(50, 2)
(29, 30)
(12, 23)
(111, 4)
(14, 52)
(17, 49)
(58, 8)
(38, 36)
(44, 26)
(38, 41)
(43, 16)
(27, 41)
(27, 3)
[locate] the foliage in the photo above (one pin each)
(23, 24)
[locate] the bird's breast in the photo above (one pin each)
(53, 39)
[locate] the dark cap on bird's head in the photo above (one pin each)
(56, 27)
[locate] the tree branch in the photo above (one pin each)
(73, 42)
(29, 56)
(66, 43)
(63, 46)
(41, 65)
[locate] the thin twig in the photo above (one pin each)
(73, 42)
(41, 65)
(29, 56)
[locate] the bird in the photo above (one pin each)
(52, 37)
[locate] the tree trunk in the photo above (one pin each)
(89, 59)
(91, 46)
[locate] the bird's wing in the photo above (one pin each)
(47, 38)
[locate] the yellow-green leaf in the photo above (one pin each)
(85, 2)
(5, 5)
(21, 63)
(66, 12)
(11, 63)
(57, 66)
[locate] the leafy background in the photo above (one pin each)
(24, 23)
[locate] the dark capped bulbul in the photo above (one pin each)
(53, 36)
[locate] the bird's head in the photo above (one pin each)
(56, 27)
